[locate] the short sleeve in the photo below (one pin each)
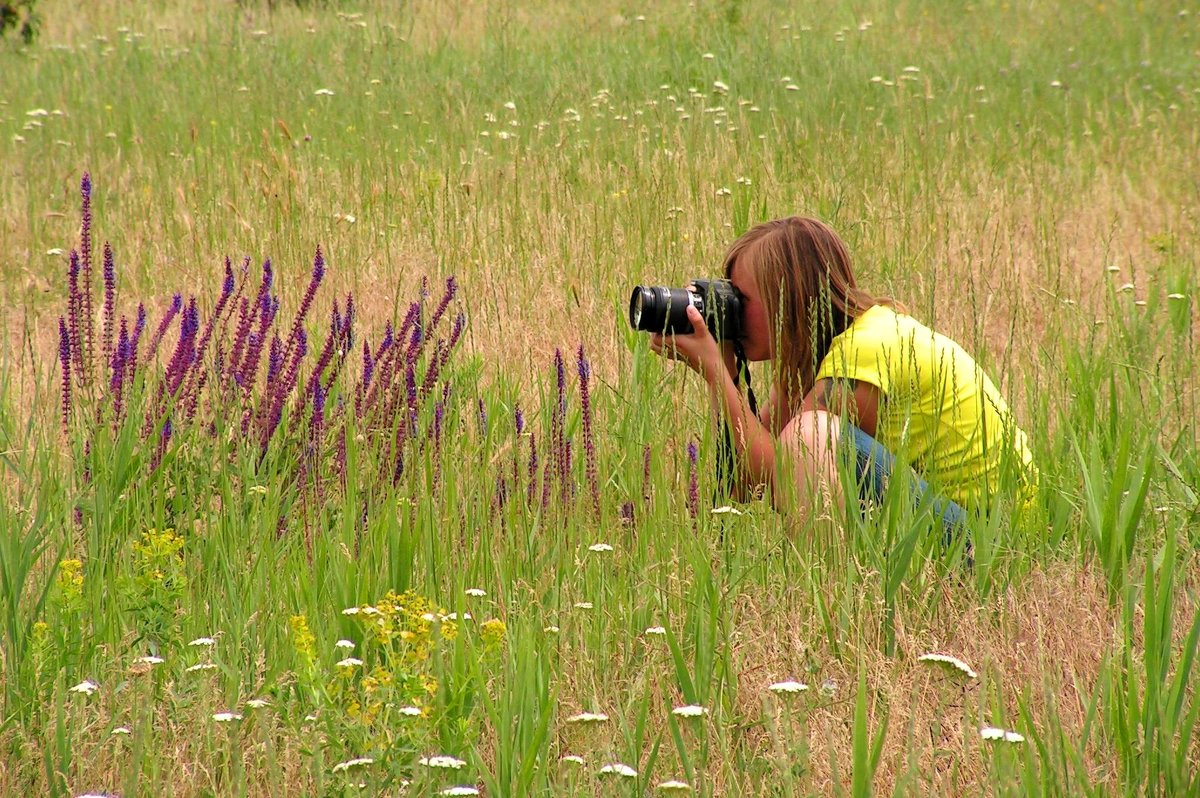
(859, 352)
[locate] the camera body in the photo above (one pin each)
(663, 310)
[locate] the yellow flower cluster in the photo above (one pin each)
(70, 580)
(303, 640)
(159, 557)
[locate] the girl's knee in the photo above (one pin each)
(811, 431)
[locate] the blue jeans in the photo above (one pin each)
(873, 466)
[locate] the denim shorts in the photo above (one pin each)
(873, 466)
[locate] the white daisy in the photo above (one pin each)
(949, 662)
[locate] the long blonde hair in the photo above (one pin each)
(804, 275)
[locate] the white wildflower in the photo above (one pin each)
(720, 87)
(728, 509)
(674, 786)
(573, 759)
(86, 687)
(689, 711)
(55, 251)
(349, 662)
(346, 644)
(789, 686)
(708, 56)
(510, 105)
(202, 641)
(323, 92)
(201, 666)
(947, 661)
(122, 730)
(600, 547)
(476, 592)
(460, 789)
(342, 767)
(412, 712)
(551, 630)
(351, 611)
(992, 733)
(829, 686)
(226, 717)
(583, 605)
(656, 630)
(618, 769)
(442, 761)
(258, 703)
(1177, 297)
(150, 660)
(588, 717)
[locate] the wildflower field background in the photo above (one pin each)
(330, 465)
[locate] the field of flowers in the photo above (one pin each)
(330, 465)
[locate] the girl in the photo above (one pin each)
(854, 374)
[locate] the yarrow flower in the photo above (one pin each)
(150, 660)
(675, 786)
(201, 666)
(258, 703)
(789, 686)
(460, 789)
(342, 767)
(618, 769)
(346, 644)
(600, 547)
(950, 663)
(349, 662)
(412, 712)
(226, 717)
(572, 759)
(121, 730)
(993, 734)
(583, 605)
(689, 711)
(476, 592)
(656, 630)
(588, 717)
(86, 687)
(202, 641)
(442, 761)
(727, 509)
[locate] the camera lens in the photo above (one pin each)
(659, 309)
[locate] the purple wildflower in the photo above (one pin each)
(439, 412)
(120, 368)
(139, 326)
(74, 311)
(64, 356)
(627, 515)
(85, 246)
(693, 497)
(483, 418)
(110, 299)
(519, 419)
(533, 467)
(172, 311)
(589, 443)
(318, 273)
(460, 324)
(451, 288)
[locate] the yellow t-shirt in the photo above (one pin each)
(938, 409)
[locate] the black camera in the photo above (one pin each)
(658, 309)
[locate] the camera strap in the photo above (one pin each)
(726, 463)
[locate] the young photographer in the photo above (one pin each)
(855, 377)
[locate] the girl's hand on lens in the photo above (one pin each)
(698, 348)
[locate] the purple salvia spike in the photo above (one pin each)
(433, 369)
(439, 411)
(447, 298)
(519, 419)
(693, 496)
(533, 468)
(483, 417)
(74, 311)
(64, 356)
(589, 443)
(139, 327)
(410, 386)
(110, 300)
(368, 366)
(274, 361)
(120, 366)
(646, 472)
(318, 273)
(460, 324)
(386, 343)
(172, 311)
(164, 438)
(85, 269)
(410, 318)
(240, 336)
(348, 325)
(558, 422)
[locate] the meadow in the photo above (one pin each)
(330, 465)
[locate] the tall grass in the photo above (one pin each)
(1020, 176)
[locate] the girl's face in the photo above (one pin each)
(757, 342)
